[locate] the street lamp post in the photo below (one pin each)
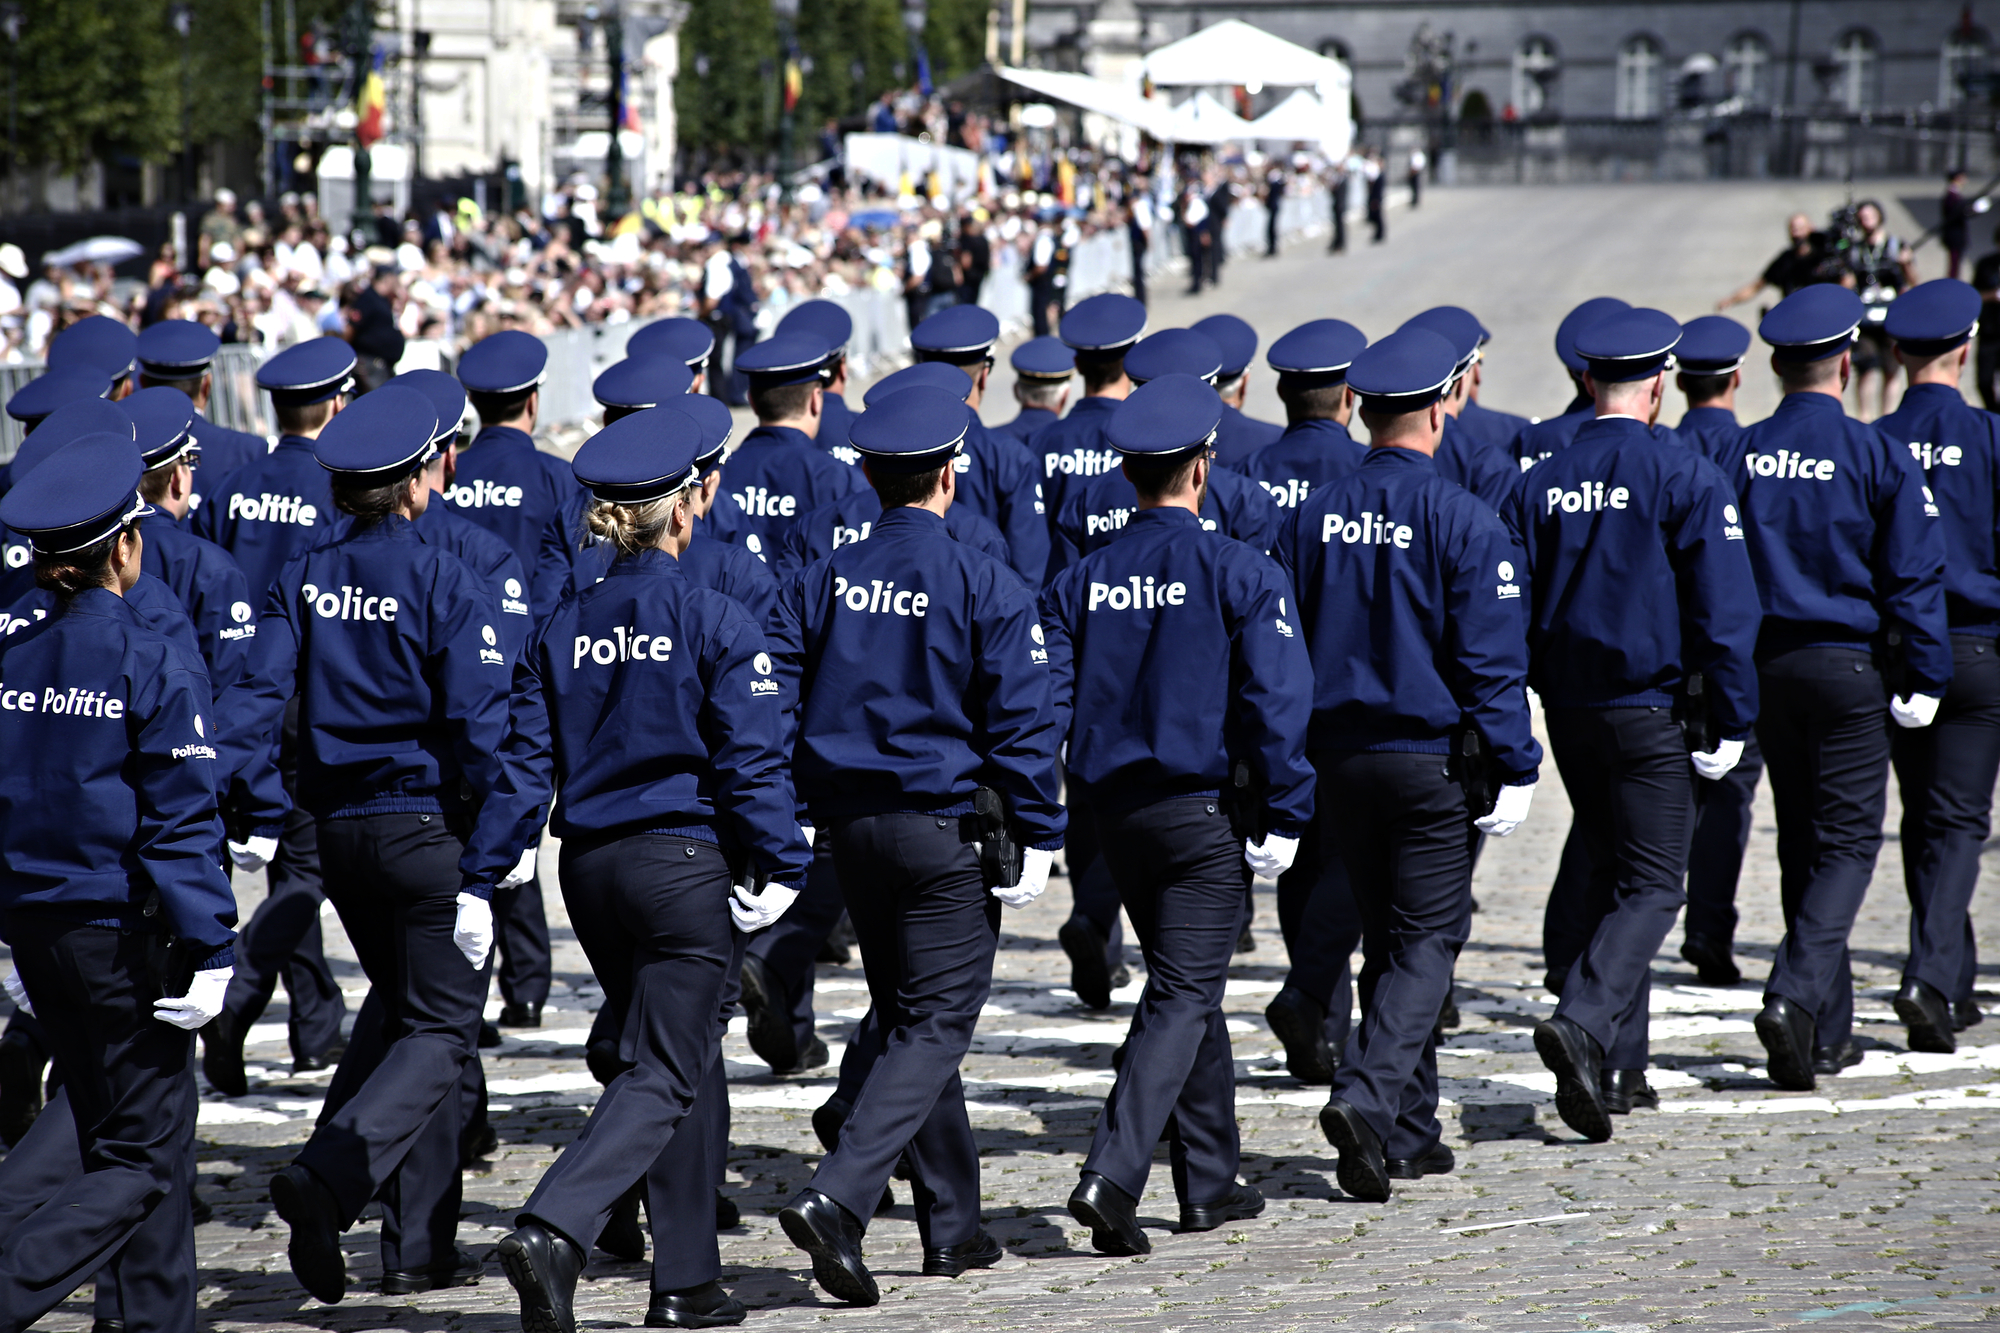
(182, 16)
(614, 153)
(10, 24)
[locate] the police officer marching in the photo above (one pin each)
(390, 644)
(1315, 447)
(650, 704)
(1849, 555)
(1042, 370)
(1552, 434)
(1239, 436)
(778, 473)
(1180, 694)
(1945, 771)
(1637, 582)
(925, 726)
(1485, 471)
(115, 903)
(1397, 558)
(176, 354)
(1100, 330)
(829, 322)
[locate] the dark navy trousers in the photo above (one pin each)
(1400, 826)
(390, 1127)
(1092, 894)
(1630, 783)
(1181, 875)
(123, 1146)
(1321, 930)
(928, 931)
(1946, 772)
(788, 946)
(652, 913)
(1824, 725)
(1721, 834)
(523, 966)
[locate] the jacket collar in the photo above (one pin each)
(1932, 395)
(102, 602)
(512, 436)
(394, 528)
(1164, 514)
(650, 561)
(1395, 455)
(1319, 426)
(294, 442)
(779, 435)
(1698, 415)
(907, 516)
(1810, 402)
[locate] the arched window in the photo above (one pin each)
(1638, 94)
(1536, 69)
(1747, 63)
(1963, 53)
(1858, 58)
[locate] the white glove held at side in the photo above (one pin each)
(18, 993)
(754, 911)
(473, 932)
(1508, 811)
(1914, 710)
(1715, 764)
(253, 854)
(808, 832)
(200, 1005)
(523, 871)
(1034, 878)
(1271, 857)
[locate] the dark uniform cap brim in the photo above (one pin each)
(79, 495)
(1103, 325)
(1174, 352)
(447, 395)
(786, 358)
(688, 340)
(1405, 372)
(959, 331)
(1166, 419)
(940, 375)
(1934, 317)
(177, 349)
(381, 438)
(310, 372)
(641, 458)
(823, 319)
(502, 363)
(47, 392)
(1579, 319)
(1316, 353)
(1234, 337)
(163, 424)
(918, 428)
(1813, 324)
(1456, 326)
(97, 343)
(1043, 358)
(714, 420)
(1712, 345)
(1630, 345)
(642, 381)
(71, 421)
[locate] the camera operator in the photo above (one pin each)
(1879, 266)
(1986, 359)
(1801, 263)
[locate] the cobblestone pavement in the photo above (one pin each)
(1734, 1206)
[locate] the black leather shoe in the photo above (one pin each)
(1830, 1060)
(1363, 1171)
(706, 1306)
(840, 944)
(464, 1271)
(1089, 972)
(543, 1267)
(1924, 1012)
(312, 1064)
(814, 1056)
(1624, 1089)
(1447, 1019)
(1298, 1020)
(771, 1035)
(601, 1059)
(1712, 959)
(832, 1236)
(982, 1251)
(622, 1237)
(1552, 982)
(1787, 1033)
(887, 1203)
(489, 1036)
(827, 1121)
(1439, 1161)
(107, 1326)
(1111, 1214)
(727, 1215)
(1121, 977)
(221, 1056)
(1247, 941)
(1242, 1202)
(527, 1014)
(475, 1141)
(1966, 1014)
(308, 1207)
(200, 1209)
(1576, 1060)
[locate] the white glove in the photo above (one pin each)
(808, 832)
(200, 1005)
(1034, 878)
(18, 993)
(1914, 710)
(473, 933)
(523, 871)
(754, 911)
(1508, 811)
(1715, 763)
(1271, 857)
(253, 854)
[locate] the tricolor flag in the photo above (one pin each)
(371, 104)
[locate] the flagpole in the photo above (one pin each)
(614, 153)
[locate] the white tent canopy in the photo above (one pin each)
(1201, 119)
(1232, 53)
(1121, 104)
(1303, 118)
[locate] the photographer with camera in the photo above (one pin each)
(1879, 265)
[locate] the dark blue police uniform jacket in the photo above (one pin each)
(118, 720)
(1713, 433)
(1638, 577)
(921, 676)
(1958, 448)
(22, 604)
(997, 479)
(270, 510)
(211, 590)
(391, 646)
(1237, 437)
(1410, 600)
(1023, 428)
(574, 557)
(836, 418)
(1844, 542)
(222, 452)
(510, 488)
(852, 518)
(492, 559)
(1234, 505)
(1075, 449)
(1544, 439)
(1488, 473)
(1173, 659)
(776, 475)
(1306, 457)
(652, 704)
(1496, 430)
